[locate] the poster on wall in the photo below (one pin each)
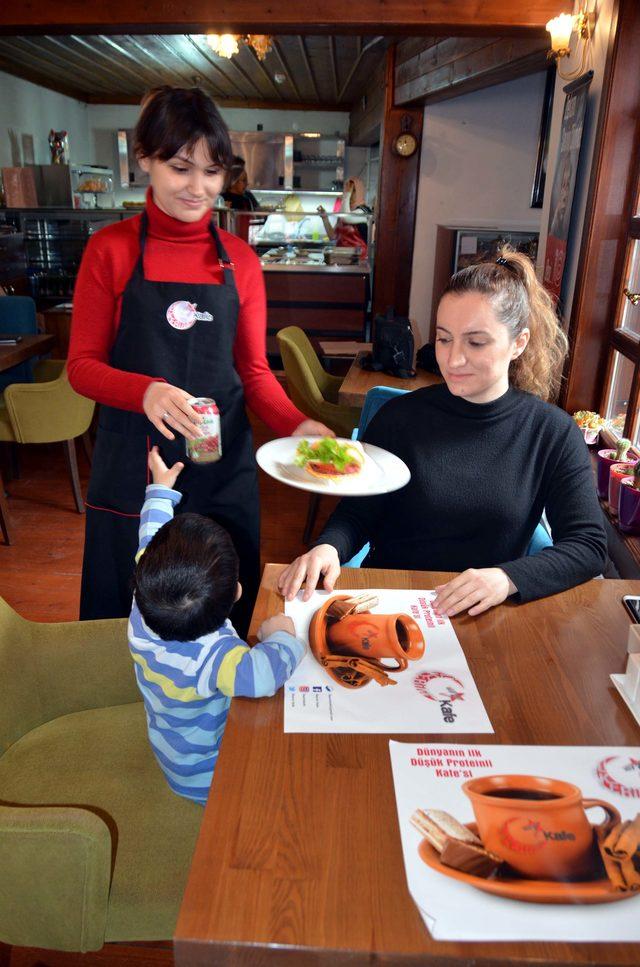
(564, 182)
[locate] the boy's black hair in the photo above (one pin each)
(178, 117)
(185, 582)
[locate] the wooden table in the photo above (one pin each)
(28, 347)
(358, 382)
(299, 860)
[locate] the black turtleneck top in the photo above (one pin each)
(481, 476)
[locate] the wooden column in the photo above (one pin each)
(616, 160)
(396, 206)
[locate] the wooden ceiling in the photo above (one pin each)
(320, 72)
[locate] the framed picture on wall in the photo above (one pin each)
(564, 182)
(540, 176)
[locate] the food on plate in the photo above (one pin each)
(620, 851)
(329, 458)
(458, 847)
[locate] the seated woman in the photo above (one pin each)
(487, 453)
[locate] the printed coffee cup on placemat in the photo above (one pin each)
(378, 636)
(538, 826)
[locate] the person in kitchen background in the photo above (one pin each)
(237, 196)
(352, 227)
(168, 308)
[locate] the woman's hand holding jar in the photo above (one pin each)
(168, 406)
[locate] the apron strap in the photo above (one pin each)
(228, 268)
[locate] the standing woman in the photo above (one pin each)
(167, 308)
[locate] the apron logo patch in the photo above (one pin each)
(183, 315)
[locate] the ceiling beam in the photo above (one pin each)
(333, 16)
(361, 52)
(285, 67)
(265, 73)
(334, 67)
(221, 102)
(307, 64)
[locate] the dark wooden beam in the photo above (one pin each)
(278, 51)
(222, 102)
(397, 197)
(365, 120)
(265, 73)
(460, 65)
(334, 67)
(442, 17)
(309, 68)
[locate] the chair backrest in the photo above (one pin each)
(48, 412)
(376, 397)
(17, 315)
(294, 336)
(300, 366)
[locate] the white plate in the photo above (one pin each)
(382, 473)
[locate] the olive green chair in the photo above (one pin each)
(315, 392)
(312, 389)
(94, 846)
(46, 411)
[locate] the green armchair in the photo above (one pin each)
(94, 847)
(45, 411)
(312, 389)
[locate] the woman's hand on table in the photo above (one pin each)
(168, 406)
(475, 590)
(306, 569)
(312, 428)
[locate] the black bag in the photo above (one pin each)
(393, 346)
(426, 359)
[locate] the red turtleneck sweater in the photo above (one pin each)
(174, 251)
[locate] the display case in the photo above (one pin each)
(91, 186)
(53, 243)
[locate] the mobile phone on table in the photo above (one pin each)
(632, 604)
(10, 340)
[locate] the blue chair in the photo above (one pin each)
(377, 397)
(17, 316)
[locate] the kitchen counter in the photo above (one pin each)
(362, 268)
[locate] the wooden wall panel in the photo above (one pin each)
(458, 65)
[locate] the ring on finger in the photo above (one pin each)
(165, 416)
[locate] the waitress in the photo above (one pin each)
(167, 308)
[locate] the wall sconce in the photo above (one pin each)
(561, 28)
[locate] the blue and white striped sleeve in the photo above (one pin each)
(236, 669)
(156, 511)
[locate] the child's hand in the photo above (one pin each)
(161, 473)
(277, 622)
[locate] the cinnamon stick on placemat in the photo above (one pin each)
(620, 852)
(356, 604)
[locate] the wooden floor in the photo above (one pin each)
(40, 571)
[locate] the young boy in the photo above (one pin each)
(189, 661)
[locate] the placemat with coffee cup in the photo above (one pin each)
(521, 842)
(380, 660)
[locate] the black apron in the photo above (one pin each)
(152, 340)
